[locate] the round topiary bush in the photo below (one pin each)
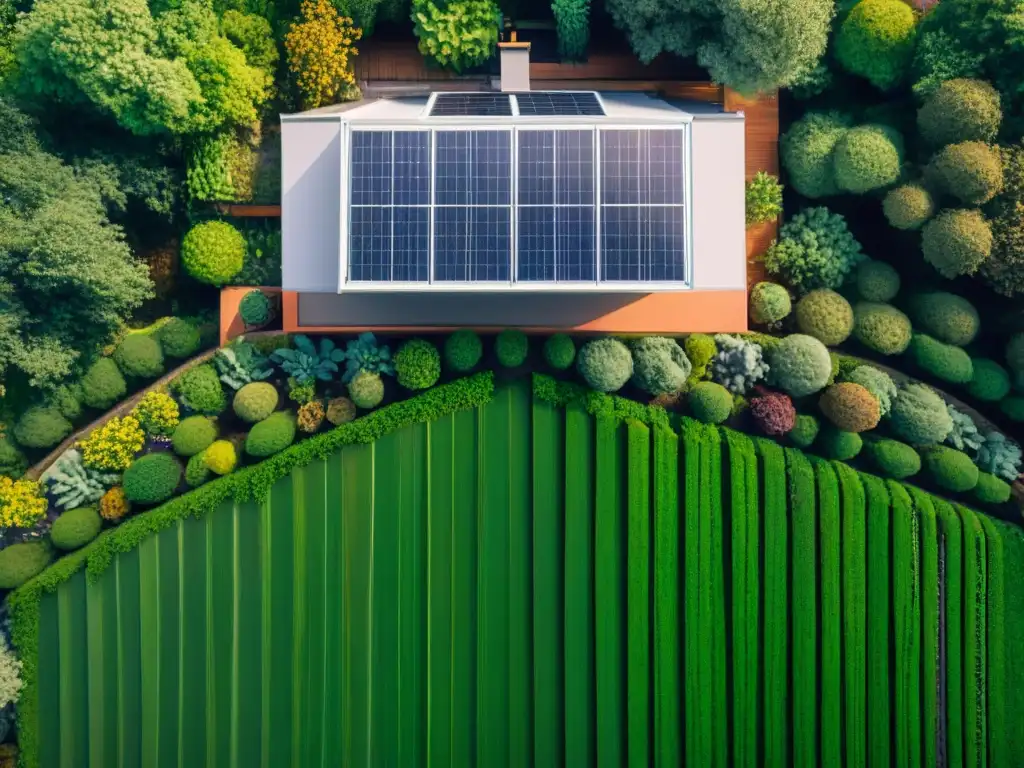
(773, 413)
(956, 242)
(67, 399)
(807, 149)
(960, 110)
(139, 356)
(179, 338)
(255, 309)
(274, 433)
(919, 415)
(866, 158)
(850, 407)
(950, 469)
(152, 478)
(213, 252)
(878, 383)
(908, 207)
(13, 462)
(221, 458)
(200, 390)
(21, 562)
(826, 316)
(800, 365)
(103, 384)
(196, 471)
(417, 364)
(876, 41)
(701, 349)
(463, 350)
(835, 444)
(946, 316)
(560, 351)
(340, 410)
(944, 361)
(881, 327)
(894, 459)
(511, 347)
(991, 489)
(1013, 408)
(605, 364)
(709, 402)
(971, 171)
(804, 431)
(41, 427)
(660, 365)
(877, 281)
(193, 435)
(255, 401)
(769, 303)
(366, 389)
(990, 382)
(815, 249)
(76, 528)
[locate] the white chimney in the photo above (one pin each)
(515, 64)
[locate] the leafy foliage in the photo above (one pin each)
(76, 528)
(199, 390)
(939, 57)
(365, 354)
(559, 351)
(999, 456)
(460, 34)
(310, 416)
(876, 41)
(20, 562)
(763, 198)
(836, 444)
(75, 485)
(572, 22)
(877, 281)
(340, 410)
(805, 430)
(773, 413)
(956, 242)
(103, 384)
(944, 361)
(950, 469)
(893, 458)
(800, 365)
(946, 316)
(868, 157)
(919, 415)
(273, 434)
(157, 413)
(221, 167)
(463, 350)
(511, 348)
(960, 110)
(660, 365)
(13, 462)
(241, 363)
(252, 33)
(366, 389)
(152, 478)
(417, 364)
(139, 355)
(807, 151)
(114, 505)
(255, 401)
(709, 402)
(194, 435)
(964, 436)
(971, 171)
(306, 362)
(179, 338)
(221, 457)
(881, 327)
(1004, 269)
(991, 490)
(319, 46)
(908, 206)
(605, 364)
(41, 427)
(255, 309)
(826, 316)
(990, 382)
(738, 364)
(878, 383)
(769, 303)
(112, 445)
(212, 252)
(815, 250)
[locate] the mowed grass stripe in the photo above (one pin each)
(854, 557)
(928, 528)
(951, 529)
(696, 706)
(975, 751)
(907, 627)
(879, 631)
(995, 605)
(711, 476)
(1013, 553)
(638, 564)
(667, 663)
(829, 537)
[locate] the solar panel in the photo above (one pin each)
(558, 103)
(642, 167)
(472, 244)
(411, 168)
(410, 245)
(536, 244)
(575, 246)
(370, 244)
(642, 244)
(471, 105)
(473, 168)
(371, 167)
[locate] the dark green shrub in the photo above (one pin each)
(815, 250)
(340, 410)
(1013, 408)
(103, 384)
(940, 56)
(660, 365)
(850, 407)
(960, 110)
(769, 303)
(212, 252)
(867, 157)
(826, 316)
(13, 462)
(179, 338)
(807, 149)
(956, 242)
(605, 364)
(417, 364)
(366, 389)
(991, 489)
(990, 382)
(1015, 352)
(804, 431)
(944, 361)
(894, 459)
(919, 415)
(41, 427)
(946, 316)
(458, 34)
(196, 471)
(876, 41)
(139, 356)
(511, 347)
(908, 206)
(881, 327)
(950, 469)
(709, 402)
(20, 562)
(835, 444)
(76, 528)
(68, 400)
(193, 435)
(463, 350)
(200, 390)
(221, 167)
(970, 171)
(764, 198)
(799, 365)
(572, 23)
(560, 351)
(255, 309)
(877, 281)
(152, 478)
(273, 434)
(1004, 268)
(255, 401)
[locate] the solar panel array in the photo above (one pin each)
(471, 105)
(529, 103)
(568, 206)
(558, 103)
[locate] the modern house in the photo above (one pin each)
(575, 210)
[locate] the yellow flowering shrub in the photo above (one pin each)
(114, 505)
(157, 413)
(21, 503)
(319, 48)
(220, 457)
(113, 446)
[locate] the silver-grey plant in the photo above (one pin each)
(738, 365)
(999, 456)
(76, 485)
(965, 435)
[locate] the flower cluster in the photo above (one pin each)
(319, 47)
(114, 505)
(113, 446)
(157, 414)
(21, 503)
(10, 675)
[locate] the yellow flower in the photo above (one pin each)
(319, 48)
(21, 503)
(157, 413)
(112, 446)
(114, 505)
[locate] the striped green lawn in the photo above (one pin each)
(528, 584)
